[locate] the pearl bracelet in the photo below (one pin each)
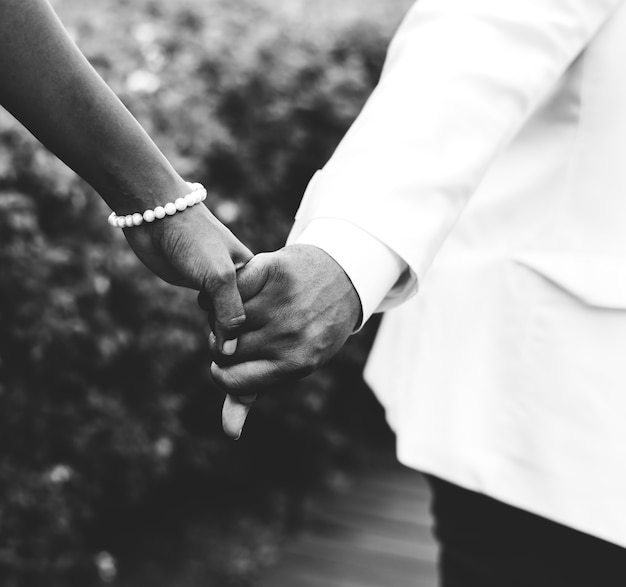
(197, 195)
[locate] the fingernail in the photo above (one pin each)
(229, 347)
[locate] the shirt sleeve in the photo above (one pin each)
(460, 80)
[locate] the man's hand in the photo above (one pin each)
(300, 308)
(194, 249)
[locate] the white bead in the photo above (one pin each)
(196, 195)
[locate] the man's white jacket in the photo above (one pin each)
(488, 170)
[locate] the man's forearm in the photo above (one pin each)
(49, 86)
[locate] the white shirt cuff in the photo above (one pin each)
(371, 265)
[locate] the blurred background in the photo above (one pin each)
(113, 465)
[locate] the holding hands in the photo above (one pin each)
(281, 316)
(196, 250)
(300, 308)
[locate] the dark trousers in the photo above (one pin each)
(486, 543)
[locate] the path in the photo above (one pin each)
(375, 534)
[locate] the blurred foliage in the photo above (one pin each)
(109, 424)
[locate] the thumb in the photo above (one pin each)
(252, 278)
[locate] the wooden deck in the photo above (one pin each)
(377, 533)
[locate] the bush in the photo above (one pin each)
(109, 423)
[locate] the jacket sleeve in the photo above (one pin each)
(460, 79)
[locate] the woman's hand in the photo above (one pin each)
(51, 88)
(194, 249)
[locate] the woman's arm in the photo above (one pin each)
(49, 86)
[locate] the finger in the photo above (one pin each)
(259, 312)
(227, 308)
(215, 353)
(234, 414)
(207, 254)
(203, 302)
(204, 299)
(250, 378)
(252, 278)
(251, 346)
(210, 316)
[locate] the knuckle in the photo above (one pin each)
(221, 277)
(231, 323)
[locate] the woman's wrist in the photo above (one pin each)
(143, 189)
